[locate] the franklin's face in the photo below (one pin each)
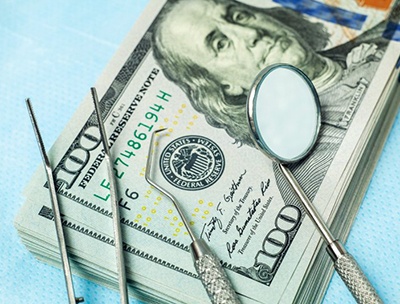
(231, 41)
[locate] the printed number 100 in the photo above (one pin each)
(278, 239)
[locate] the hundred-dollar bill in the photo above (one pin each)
(187, 66)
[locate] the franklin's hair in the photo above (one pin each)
(204, 91)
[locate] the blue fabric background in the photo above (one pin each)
(53, 52)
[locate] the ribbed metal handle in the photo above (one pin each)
(356, 281)
(215, 281)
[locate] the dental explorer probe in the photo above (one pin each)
(56, 209)
(123, 290)
(213, 277)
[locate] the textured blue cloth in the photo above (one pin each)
(53, 52)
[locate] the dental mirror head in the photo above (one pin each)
(283, 112)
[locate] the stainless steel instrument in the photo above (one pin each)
(213, 277)
(56, 210)
(119, 252)
(284, 118)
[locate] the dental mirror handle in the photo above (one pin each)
(352, 275)
(212, 275)
(346, 266)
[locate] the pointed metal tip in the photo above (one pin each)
(94, 96)
(160, 130)
(29, 106)
(150, 156)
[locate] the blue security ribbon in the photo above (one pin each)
(392, 31)
(326, 12)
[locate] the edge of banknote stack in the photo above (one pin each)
(312, 273)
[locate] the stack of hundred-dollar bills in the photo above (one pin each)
(187, 66)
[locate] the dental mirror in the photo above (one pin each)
(283, 113)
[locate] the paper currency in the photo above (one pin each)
(187, 66)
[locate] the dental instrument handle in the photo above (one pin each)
(346, 266)
(352, 275)
(212, 275)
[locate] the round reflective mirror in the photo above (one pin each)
(284, 113)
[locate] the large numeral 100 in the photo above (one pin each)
(76, 159)
(278, 239)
